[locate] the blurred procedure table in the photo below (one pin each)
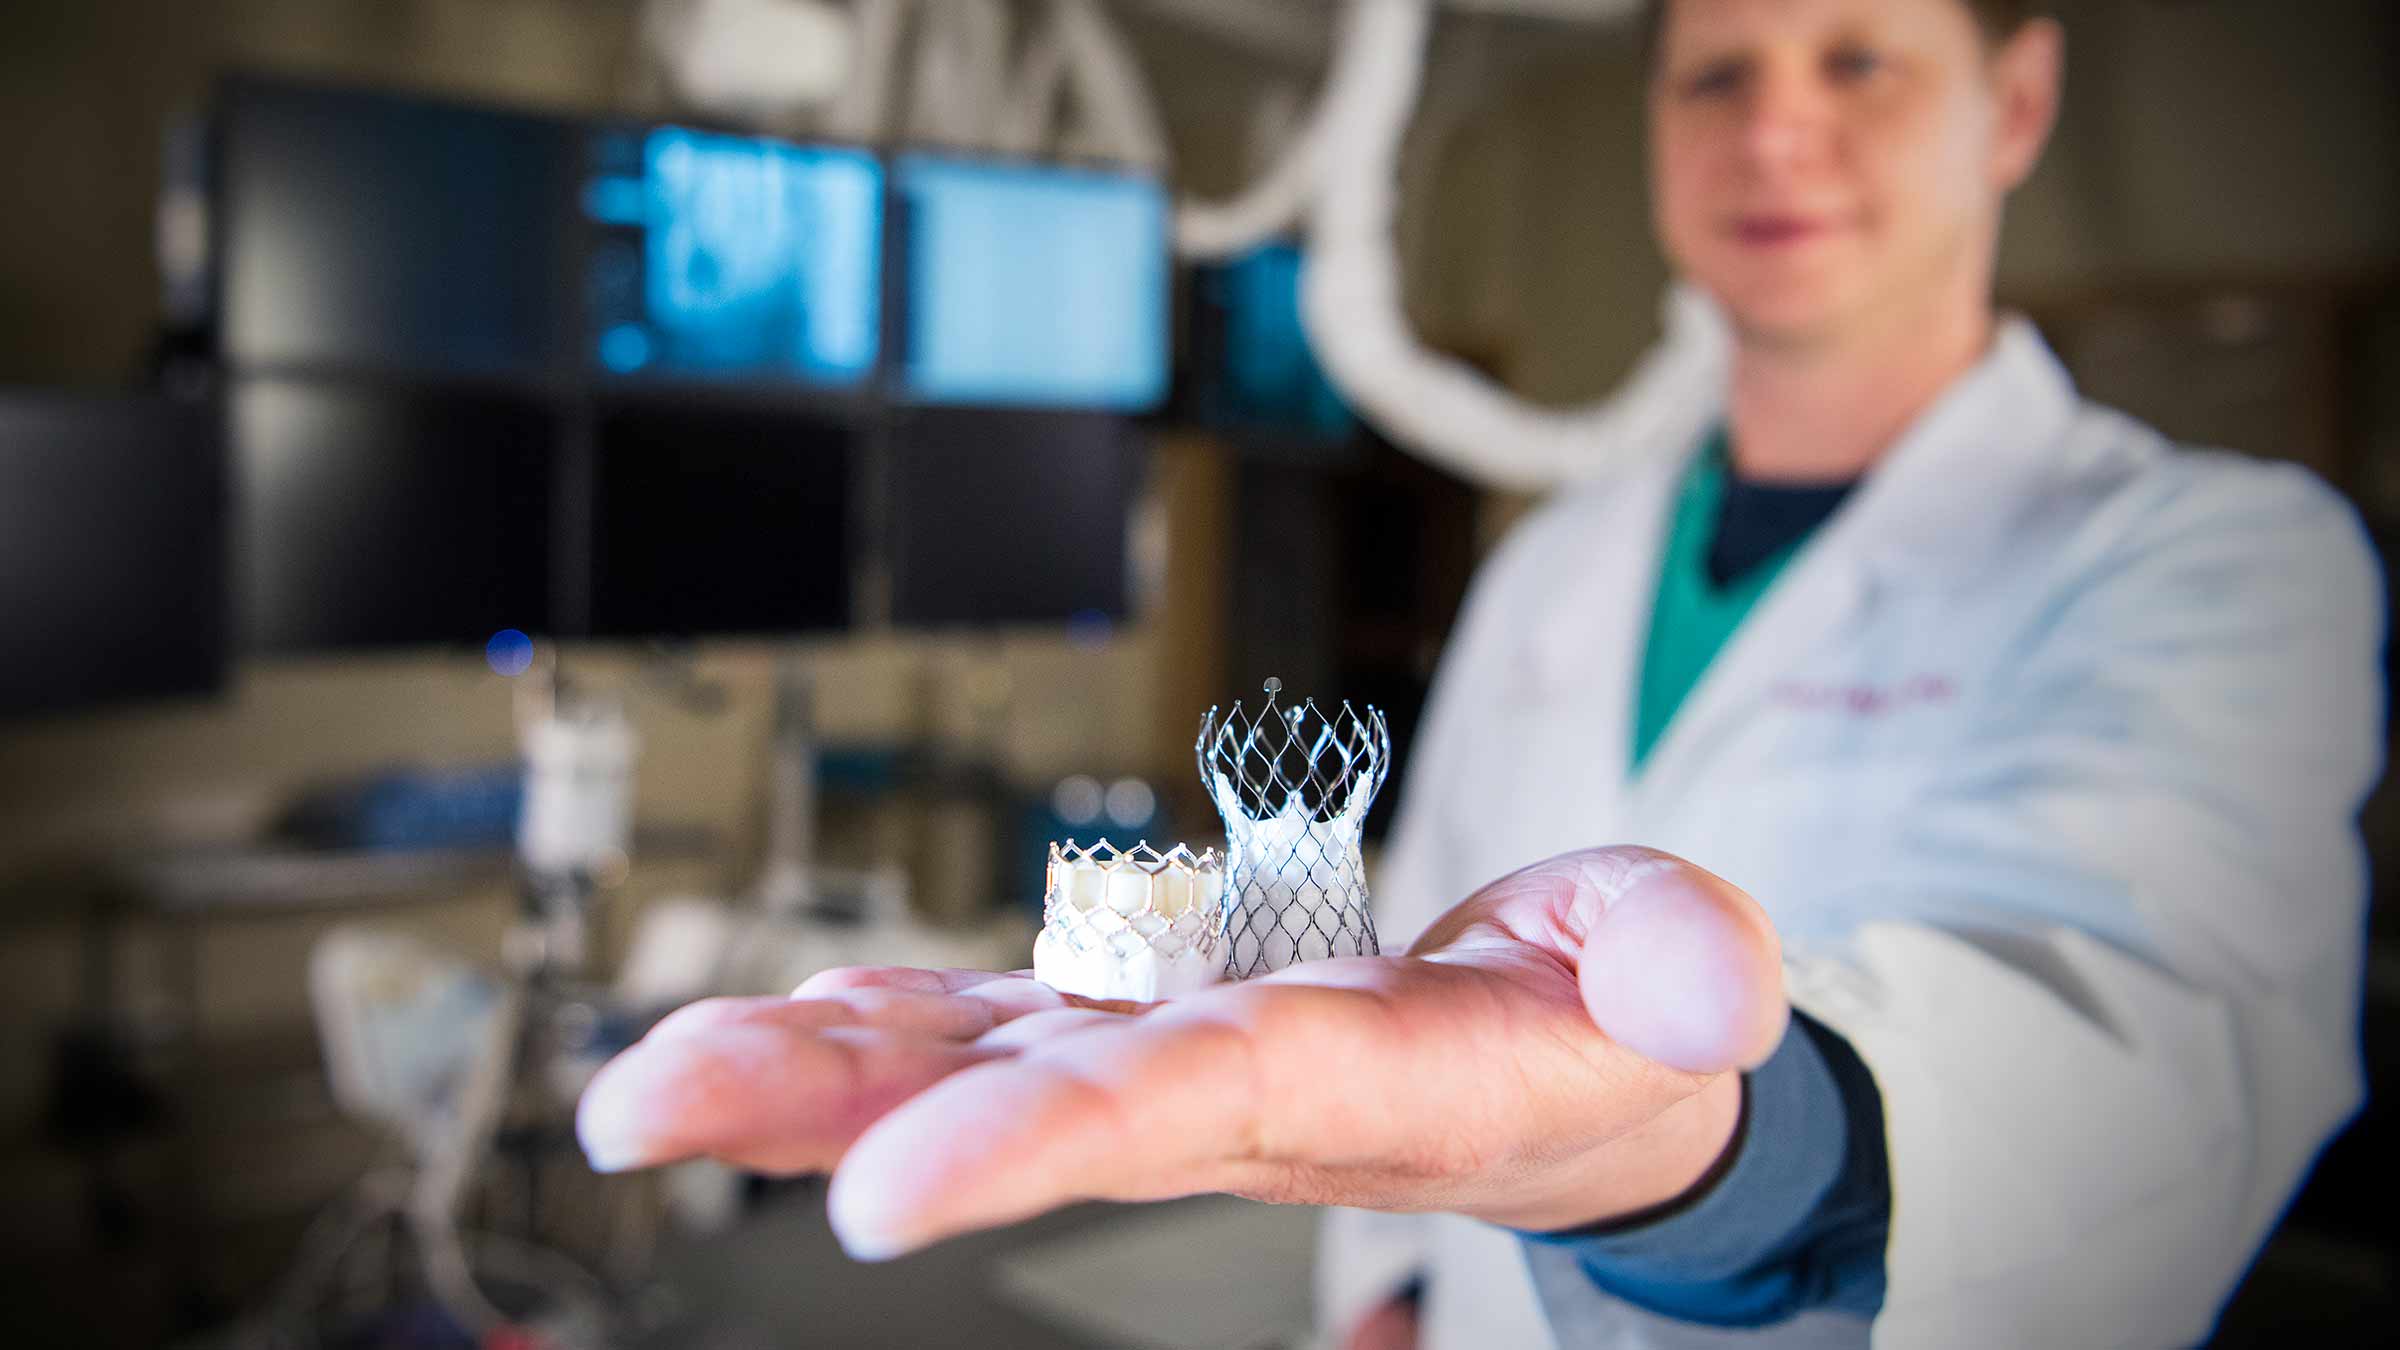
(185, 887)
(175, 891)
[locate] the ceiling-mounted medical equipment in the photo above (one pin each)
(1336, 183)
(1338, 178)
(750, 58)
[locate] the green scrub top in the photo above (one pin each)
(1692, 617)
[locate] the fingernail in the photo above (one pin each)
(863, 1231)
(606, 1160)
(610, 1144)
(863, 1246)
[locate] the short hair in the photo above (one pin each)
(1999, 19)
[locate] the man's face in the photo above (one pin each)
(1816, 164)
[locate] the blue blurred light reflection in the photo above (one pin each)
(1271, 377)
(509, 653)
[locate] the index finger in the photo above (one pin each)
(784, 1085)
(916, 979)
(1174, 1103)
(1013, 989)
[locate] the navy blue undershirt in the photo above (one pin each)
(1757, 519)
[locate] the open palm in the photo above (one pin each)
(1473, 1074)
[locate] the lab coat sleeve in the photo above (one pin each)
(2108, 981)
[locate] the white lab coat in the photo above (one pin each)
(2044, 756)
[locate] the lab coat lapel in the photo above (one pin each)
(1819, 593)
(1941, 502)
(1586, 656)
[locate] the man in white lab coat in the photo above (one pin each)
(2040, 741)
(2021, 750)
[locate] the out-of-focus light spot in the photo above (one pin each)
(509, 652)
(1131, 803)
(2235, 320)
(614, 200)
(625, 348)
(1077, 799)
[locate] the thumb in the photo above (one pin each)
(1678, 964)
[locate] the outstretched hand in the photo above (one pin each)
(1553, 1051)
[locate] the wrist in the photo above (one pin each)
(1677, 1155)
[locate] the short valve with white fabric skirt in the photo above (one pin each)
(1131, 923)
(1294, 784)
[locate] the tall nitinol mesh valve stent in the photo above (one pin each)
(1294, 784)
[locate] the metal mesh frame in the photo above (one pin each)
(1123, 934)
(1294, 784)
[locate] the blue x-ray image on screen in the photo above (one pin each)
(1034, 285)
(726, 255)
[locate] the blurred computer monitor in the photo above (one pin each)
(388, 515)
(112, 546)
(732, 256)
(490, 369)
(1253, 372)
(719, 520)
(1011, 516)
(1033, 285)
(372, 232)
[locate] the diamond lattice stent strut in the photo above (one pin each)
(1294, 785)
